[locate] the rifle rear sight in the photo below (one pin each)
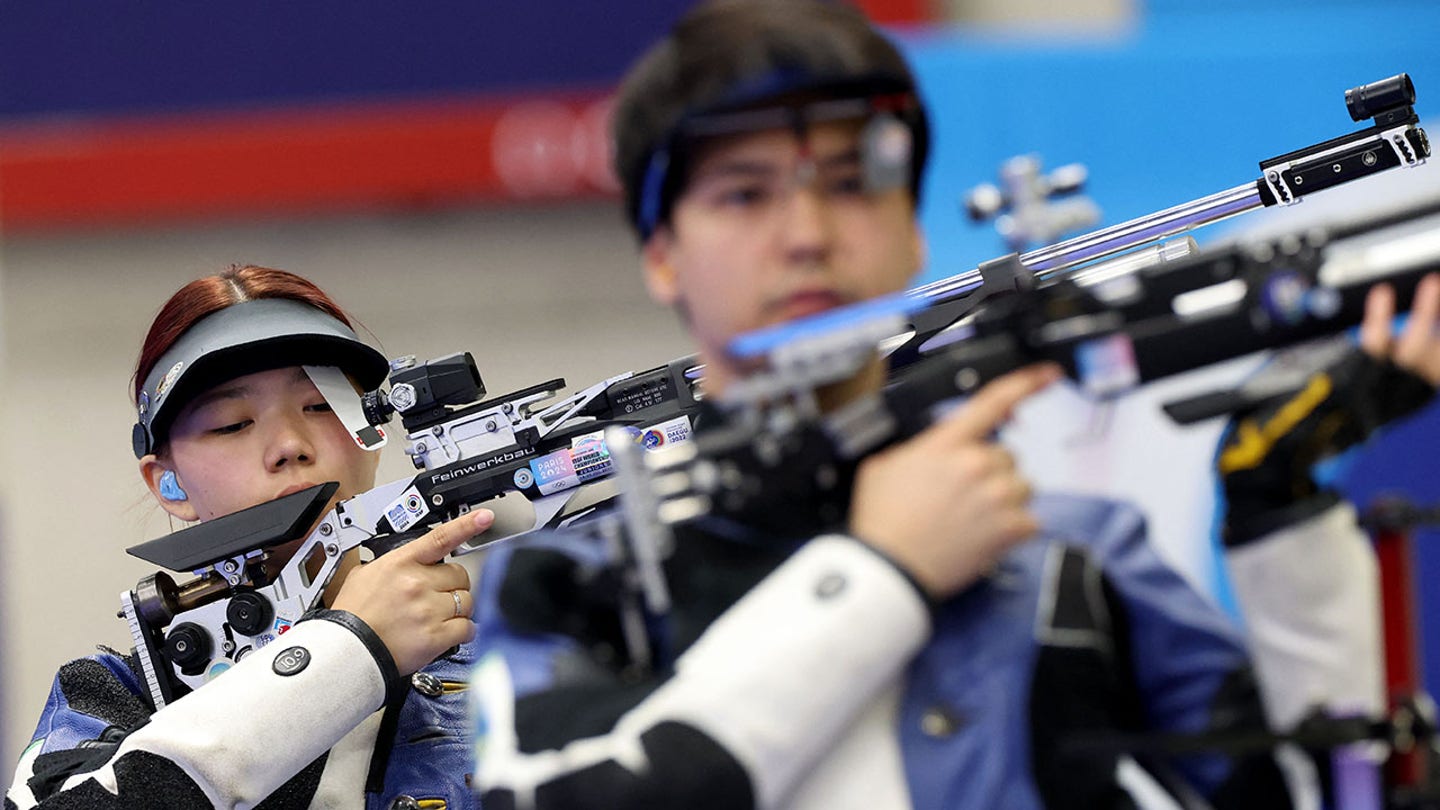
(1388, 101)
(424, 393)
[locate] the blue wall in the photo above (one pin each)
(110, 57)
(1185, 104)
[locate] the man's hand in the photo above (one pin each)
(405, 596)
(948, 503)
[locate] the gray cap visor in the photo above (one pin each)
(246, 338)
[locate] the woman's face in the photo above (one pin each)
(254, 439)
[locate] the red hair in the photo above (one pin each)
(208, 295)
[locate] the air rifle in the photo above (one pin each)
(469, 450)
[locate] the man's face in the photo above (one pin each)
(770, 228)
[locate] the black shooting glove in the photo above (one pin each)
(1266, 462)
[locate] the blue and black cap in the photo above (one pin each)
(734, 66)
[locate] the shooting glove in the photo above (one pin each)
(1265, 463)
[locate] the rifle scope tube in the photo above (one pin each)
(1369, 100)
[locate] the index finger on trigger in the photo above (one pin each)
(448, 536)
(992, 404)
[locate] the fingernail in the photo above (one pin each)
(483, 518)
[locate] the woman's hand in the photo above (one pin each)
(1417, 350)
(948, 503)
(418, 606)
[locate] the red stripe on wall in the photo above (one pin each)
(63, 173)
(897, 12)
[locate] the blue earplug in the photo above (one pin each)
(170, 488)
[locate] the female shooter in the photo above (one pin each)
(231, 414)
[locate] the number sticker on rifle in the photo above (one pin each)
(588, 458)
(407, 510)
(675, 430)
(1107, 365)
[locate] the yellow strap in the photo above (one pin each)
(1253, 442)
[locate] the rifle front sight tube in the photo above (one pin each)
(1148, 228)
(1111, 240)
